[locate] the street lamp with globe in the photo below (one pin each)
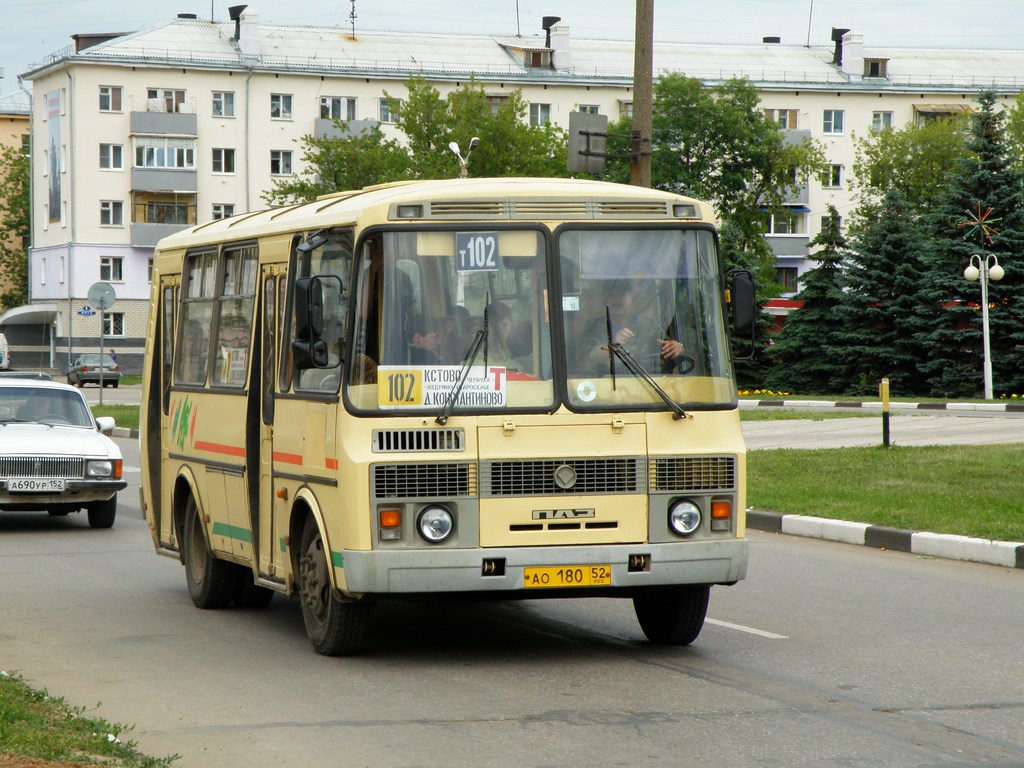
(984, 269)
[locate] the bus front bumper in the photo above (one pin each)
(502, 569)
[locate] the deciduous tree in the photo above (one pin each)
(15, 229)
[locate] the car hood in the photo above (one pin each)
(41, 440)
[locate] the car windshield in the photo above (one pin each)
(43, 406)
(108, 361)
(639, 315)
(424, 299)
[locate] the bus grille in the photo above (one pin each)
(42, 466)
(424, 481)
(537, 477)
(630, 208)
(405, 440)
(694, 473)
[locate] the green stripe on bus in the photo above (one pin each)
(337, 559)
(232, 532)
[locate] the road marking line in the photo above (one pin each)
(749, 630)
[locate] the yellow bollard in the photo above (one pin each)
(883, 393)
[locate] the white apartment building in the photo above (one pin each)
(140, 135)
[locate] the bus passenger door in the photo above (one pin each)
(272, 285)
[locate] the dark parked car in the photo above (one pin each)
(86, 370)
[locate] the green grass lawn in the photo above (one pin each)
(124, 415)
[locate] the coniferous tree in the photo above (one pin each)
(887, 310)
(984, 191)
(807, 355)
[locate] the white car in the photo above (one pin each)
(53, 453)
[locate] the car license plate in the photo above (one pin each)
(35, 484)
(567, 576)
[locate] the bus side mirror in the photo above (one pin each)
(744, 305)
(309, 348)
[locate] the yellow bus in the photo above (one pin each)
(502, 388)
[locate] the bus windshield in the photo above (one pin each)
(654, 295)
(424, 296)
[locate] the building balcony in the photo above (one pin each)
(164, 180)
(148, 235)
(164, 123)
(789, 245)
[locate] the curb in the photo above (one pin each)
(124, 432)
(876, 405)
(1007, 554)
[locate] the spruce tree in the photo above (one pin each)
(984, 186)
(886, 311)
(806, 356)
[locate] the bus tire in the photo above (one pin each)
(211, 582)
(102, 513)
(672, 615)
(335, 627)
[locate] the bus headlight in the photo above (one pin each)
(684, 517)
(435, 524)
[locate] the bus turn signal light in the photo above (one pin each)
(721, 515)
(390, 524)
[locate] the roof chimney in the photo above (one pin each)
(837, 38)
(547, 23)
(235, 12)
(561, 58)
(853, 46)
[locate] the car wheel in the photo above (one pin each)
(335, 627)
(114, 385)
(211, 582)
(102, 513)
(71, 381)
(672, 615)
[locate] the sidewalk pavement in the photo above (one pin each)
(1002, 425)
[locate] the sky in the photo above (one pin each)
(30, 30)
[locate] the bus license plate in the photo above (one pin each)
(567, 576)
(35, 484)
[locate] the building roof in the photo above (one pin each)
(17, 103)
(335, 50)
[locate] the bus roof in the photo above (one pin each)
(454, 200)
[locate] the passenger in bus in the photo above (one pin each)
(457, 331)
(499, 328)
(232, 349)
(637, 333)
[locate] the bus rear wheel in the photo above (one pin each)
(211, 582)
(335, 627)
(672, 615)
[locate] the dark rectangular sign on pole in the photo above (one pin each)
(588, 140)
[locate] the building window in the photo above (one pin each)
(112, 157)
(110, 269)
(223, 210)
(164, 208)
(834, 177)
(223, 161)
(591, 109)
(385, 115)
(880, 121)
(110, 98)
(113, 323)
(786, 119)
(495, 101)
(26, 144)
(788, 221)
(540, 114)
(171, 99)
(223, 104)
(149, 270)
(111, 213)
(787, 277)
(826, 222)
(157, 152)
(281, 106)
(625, 109)
(876, 67)
(280, 162)
(833, 122)
(337, 108)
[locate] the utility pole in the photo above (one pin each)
(643, 98)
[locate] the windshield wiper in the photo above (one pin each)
(638, 370)
(467, 363)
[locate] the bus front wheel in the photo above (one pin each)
(672, 615)
(335, 627)
(211, 582)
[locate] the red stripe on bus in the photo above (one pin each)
(288, 458)
(229, 450)
(331, 463)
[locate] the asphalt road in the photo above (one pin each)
(827, 655)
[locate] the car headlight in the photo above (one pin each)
(103, 468)
(684, 517)
(435, 524)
